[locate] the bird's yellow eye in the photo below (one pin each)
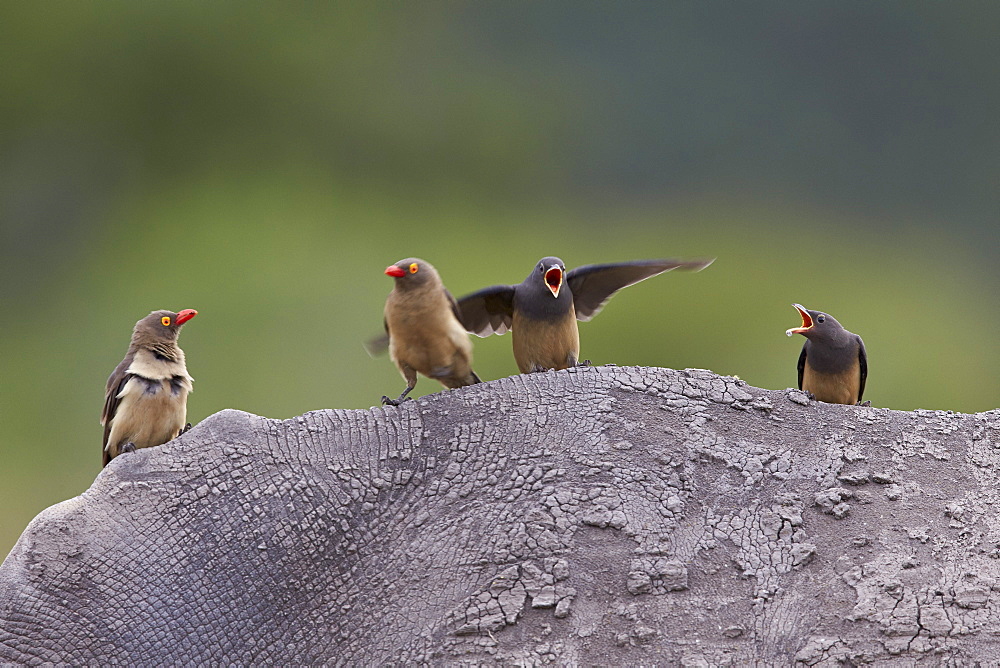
(413, 268)
(165, 320)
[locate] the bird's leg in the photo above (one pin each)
(386, 401)
(410, 375)
(584, 363)
(126, 447)
(866, 404)
(186, 429)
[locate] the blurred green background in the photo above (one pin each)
(263, 163)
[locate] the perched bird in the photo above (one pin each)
(423, 332)
(543, 309)
(145, 403)
(833, 365)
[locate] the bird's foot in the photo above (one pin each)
(538, 368)
(866, 404)
(386, 401)
(584, 363)
(186, 429)
(128, 447)
(812, 397)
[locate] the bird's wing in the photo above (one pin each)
(377, 345)
(453, 304)
(488, 311)
(116, 383)
(802, 364)
(863, 361)
(593, 284)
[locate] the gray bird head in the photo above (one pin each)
(548, 273)
(412, 272)
(816, 325)
(161, 326)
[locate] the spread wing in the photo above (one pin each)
(863, 360)
(593, 284)
(116, 383)
(488, 311)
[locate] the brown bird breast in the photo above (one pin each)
(833, 388)
(151, 412)
(549, 344)
(426, 335)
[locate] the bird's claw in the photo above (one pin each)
(810, 395)
(866, 404)
(186, 429)
(128, 447)
(584, 363)
(386, 401)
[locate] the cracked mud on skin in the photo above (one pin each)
(657, 517)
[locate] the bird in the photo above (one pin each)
(423, 330)
(145, 402)
(833, 364)
(543, 309)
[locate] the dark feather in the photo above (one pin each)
(116, 383)
(593, 284)
(863, 361)
(377, 345)
(454, 305)
(802, 364)
(488, 311)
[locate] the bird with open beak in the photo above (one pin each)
(423, 332)
(543, 309)
(833, 364)
(145, 402)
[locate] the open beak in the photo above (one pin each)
(184, 316)
(554, 279)
(807, 321)
(394, 271)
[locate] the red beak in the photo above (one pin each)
(185, 315)
(394, 271)
(554, 280)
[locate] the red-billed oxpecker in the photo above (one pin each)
(833, 365)
(145, 403)
(543, 309)
(423, 329)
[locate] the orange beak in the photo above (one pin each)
(807, 321)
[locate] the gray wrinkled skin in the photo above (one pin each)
(615, 516)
